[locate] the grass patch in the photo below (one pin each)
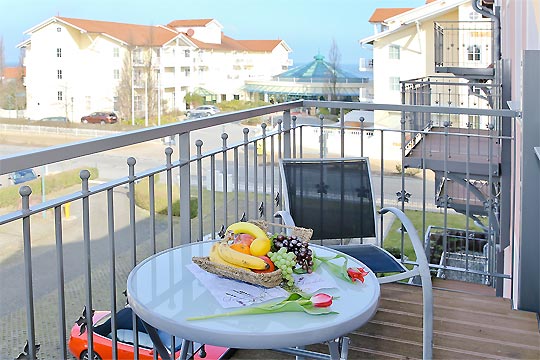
(393, 239)
(9, 196)
(142, 198)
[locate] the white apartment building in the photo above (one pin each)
(77, 66)
(403, 48)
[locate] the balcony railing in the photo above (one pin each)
(464, 45)
(64, 260)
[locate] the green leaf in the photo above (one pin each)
(296, 302)
(337, 270)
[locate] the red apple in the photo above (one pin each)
(271, 266)
(244, 239)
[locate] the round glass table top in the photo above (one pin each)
(164, 293)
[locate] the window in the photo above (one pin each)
(115, 104)
(58, 52)
(187, 53)
(59, 74)
(58, 29)
(137, 56)
(116, 52)
(186, 70)
(473, 53)
(223, 97)
(116, 73)
(474, 122)
(60, 95)
(393, 52)
(236, 97)
(138, 102)
(394, 83)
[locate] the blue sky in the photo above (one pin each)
(308, 26)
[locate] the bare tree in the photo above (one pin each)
(334, 58)
(2, 59)
(124, 89)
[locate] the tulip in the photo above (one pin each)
(357, 273)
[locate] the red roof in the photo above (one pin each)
(381, 14)
(230, 44)
(140, 35)
(188, 23)
(14, 72)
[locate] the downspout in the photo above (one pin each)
(496, 28)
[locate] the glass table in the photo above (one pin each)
(163, 293)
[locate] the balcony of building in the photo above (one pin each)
(219, 169)
(465, 49)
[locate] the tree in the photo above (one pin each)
(2, 59)
(124, 89)
(334, 58)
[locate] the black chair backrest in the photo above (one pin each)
(334, 197)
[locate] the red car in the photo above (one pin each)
(103, 343)
(100, 118)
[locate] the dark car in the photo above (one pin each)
(100, 118)
(22, 176)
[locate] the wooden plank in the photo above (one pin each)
(466, 326)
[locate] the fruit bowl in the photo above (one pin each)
(215, 264)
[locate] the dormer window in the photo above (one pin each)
(59, 29)
(187, 53)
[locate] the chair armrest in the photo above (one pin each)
(286, 217)
(423, 270)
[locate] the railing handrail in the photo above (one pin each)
(13, 162)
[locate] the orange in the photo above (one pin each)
(241, 247)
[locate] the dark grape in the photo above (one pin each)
(300, 248)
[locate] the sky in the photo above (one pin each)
(307, 26)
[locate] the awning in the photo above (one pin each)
(203, 92)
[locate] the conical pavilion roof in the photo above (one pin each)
(318, 71)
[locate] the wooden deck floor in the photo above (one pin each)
(469, 323)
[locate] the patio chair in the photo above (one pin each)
(334, 197)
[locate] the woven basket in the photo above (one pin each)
(269, 279)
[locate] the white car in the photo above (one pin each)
(206, 110)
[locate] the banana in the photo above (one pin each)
(247, 228)
(235, 257)
(216, 258)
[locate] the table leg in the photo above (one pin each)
(339, 348)
(161, 349)
(186, 350)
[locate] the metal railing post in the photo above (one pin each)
(185, 188)
(25, 192)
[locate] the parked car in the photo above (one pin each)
(102, 339)
(56, 119)
(22, 176)
(203, 109)
(100, 117)
(197, 115)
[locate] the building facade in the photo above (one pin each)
(77, 66)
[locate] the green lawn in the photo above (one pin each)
(454, 220)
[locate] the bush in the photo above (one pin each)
(408, 171)
(142, 198)
(53, 183)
